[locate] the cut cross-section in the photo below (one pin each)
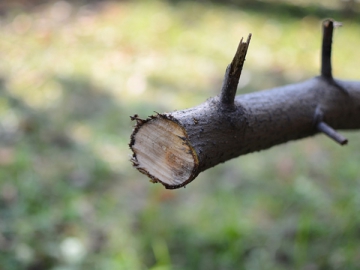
(162, 151)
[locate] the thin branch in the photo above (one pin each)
(232, 74)
(328, 27)
(329, 131)
(326, 67)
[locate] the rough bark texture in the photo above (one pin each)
(173, 148)
(267, 118)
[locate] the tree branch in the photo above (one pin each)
(173, 148)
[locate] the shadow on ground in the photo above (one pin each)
(52, 180)
(284, 10)
(279, 9)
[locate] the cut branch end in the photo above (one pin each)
(171, 160)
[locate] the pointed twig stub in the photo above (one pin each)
(328, 28)
(326, 66)
(232, 74)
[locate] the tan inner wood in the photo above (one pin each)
(161, 153)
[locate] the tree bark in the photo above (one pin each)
(173, 148)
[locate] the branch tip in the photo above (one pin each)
(249, 38)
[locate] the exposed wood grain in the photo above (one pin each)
(162, 152)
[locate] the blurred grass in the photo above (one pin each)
(69, 198)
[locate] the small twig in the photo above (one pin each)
(328, 27)
(326, 67)
(329, 131)
(232, 74)
(325, 128)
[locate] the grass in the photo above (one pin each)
(69, 198)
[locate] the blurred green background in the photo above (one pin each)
(71, 74)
